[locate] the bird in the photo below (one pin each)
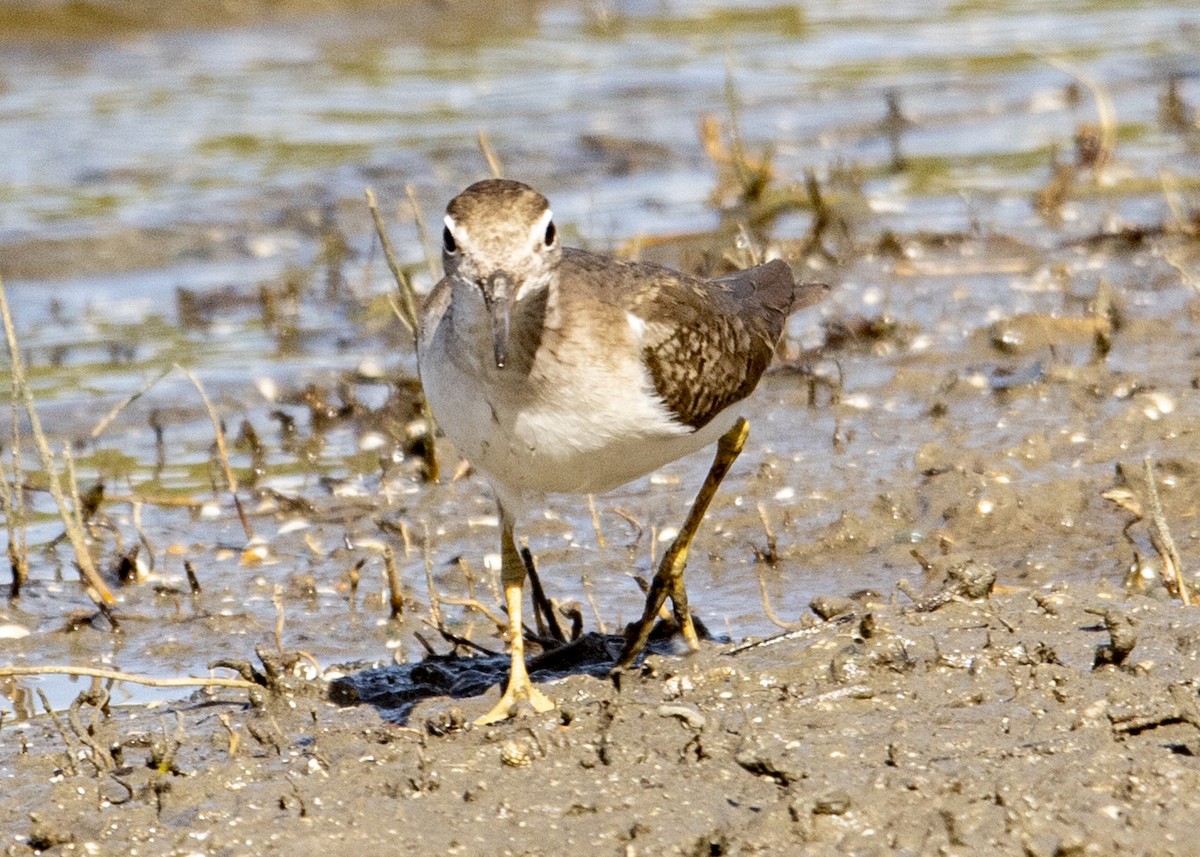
(559, 370)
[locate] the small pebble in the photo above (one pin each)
(516, 754)
(687, 713)
(834, 803)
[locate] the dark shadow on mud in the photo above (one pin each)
(396, 689)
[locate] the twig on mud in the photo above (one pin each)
(12, 500)
(235, 737)
(627, 517)
(768, 610)
(141, 533)
(398, 528)
(799, 634)
(493, 162)
(1160, 537)
(222, 451)
(126, 402)
(73, 485)
(96, 589)
(395, 591)
(72, 747)
(13, 507)
(770, 554)
(454, 640)
(855, 691)
(101, 757)
(543, 609)
(280, 617)
(586, 583)
(595, 520)
(193, 581)
(430, 651)
(478, 606)
(133, 678)
(468, 577)
(435, 610)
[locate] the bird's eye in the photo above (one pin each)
(448, 241)
(551, 234)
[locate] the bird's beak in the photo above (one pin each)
(499, 296)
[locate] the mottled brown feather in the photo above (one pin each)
(706, 342)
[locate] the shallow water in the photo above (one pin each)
(222, 159)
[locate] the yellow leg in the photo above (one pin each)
(512, 574)
(668, 581)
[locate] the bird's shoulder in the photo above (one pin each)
(704, 343)
(434, 307)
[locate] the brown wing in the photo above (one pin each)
(706, 343)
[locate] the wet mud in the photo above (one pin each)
(1059, 721)
(949, 587)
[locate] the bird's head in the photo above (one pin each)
(500, 238)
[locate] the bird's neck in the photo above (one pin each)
(534, 309)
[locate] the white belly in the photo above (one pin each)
(582, 428)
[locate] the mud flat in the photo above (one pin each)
(1055, 721)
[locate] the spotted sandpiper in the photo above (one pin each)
(559, 370)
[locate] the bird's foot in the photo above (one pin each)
(638, 634)
(514, 694)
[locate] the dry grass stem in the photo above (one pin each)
(586, 583)
(12, 506)
(501, 622)
(193, 581)
(141, 533)
(73, 747)
(1106, 114)
(422, 233)
(235, 737)
(12, 495)
(133, 678)
(395, 591)
(435, 609)
(97, 589)
(280, 616)
(595, 520)
(768, 610)
(485, 146)
(1160, 537)
(468, 577)
(222, 451)
(405, 307)
(408, 300)
(126, 402)
(770, 554)
(73, 484)
(454, 640)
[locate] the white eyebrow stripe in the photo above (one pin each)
(459, 232)
(538, 231)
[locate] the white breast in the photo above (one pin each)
(575, 423)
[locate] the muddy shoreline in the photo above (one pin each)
(993, 725)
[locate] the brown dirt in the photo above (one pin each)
(986, 726)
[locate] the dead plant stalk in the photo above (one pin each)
(222, 451)
(98, 591)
